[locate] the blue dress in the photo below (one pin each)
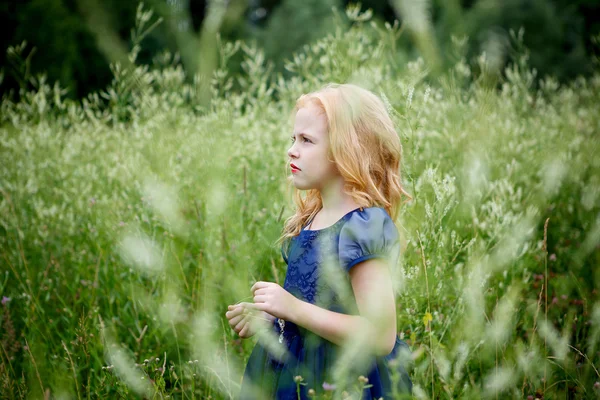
(359, 235)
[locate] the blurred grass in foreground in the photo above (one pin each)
(129, 221)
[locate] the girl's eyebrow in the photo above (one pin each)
(304, 134)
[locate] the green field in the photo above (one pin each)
(131, 219)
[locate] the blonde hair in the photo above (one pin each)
(364, 146)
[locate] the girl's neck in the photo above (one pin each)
(334, 199)
(335, 204)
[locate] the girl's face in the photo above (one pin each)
(309, 150)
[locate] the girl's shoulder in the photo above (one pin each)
(367, 218)
(367, 233)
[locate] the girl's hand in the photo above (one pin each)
(275, 300)
(246, 322)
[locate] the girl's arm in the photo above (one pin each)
(372, 285)
(375, 326)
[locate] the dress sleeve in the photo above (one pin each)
(368, 234)
(284, 250)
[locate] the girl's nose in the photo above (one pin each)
(292, 153)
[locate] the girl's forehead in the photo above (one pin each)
(310, 119)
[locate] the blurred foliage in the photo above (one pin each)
(557, 32)
(76, 40)
(131, 218)
(294, 24)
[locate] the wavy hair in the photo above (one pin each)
(365, 148)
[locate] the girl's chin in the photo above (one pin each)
(301, 186)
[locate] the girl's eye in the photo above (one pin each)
(293, 139)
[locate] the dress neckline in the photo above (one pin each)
(345, 216)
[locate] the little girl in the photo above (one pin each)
(346, 157)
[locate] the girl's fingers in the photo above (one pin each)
(235, 312)
(235, 320)
(260, 291)
(251, 307)
(260, 299)
(259, 285)
(255, 306)
(241, 324)
(244, 332)
(234, 306)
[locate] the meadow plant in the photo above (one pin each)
(131, 218)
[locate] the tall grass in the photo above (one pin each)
(130, 220)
